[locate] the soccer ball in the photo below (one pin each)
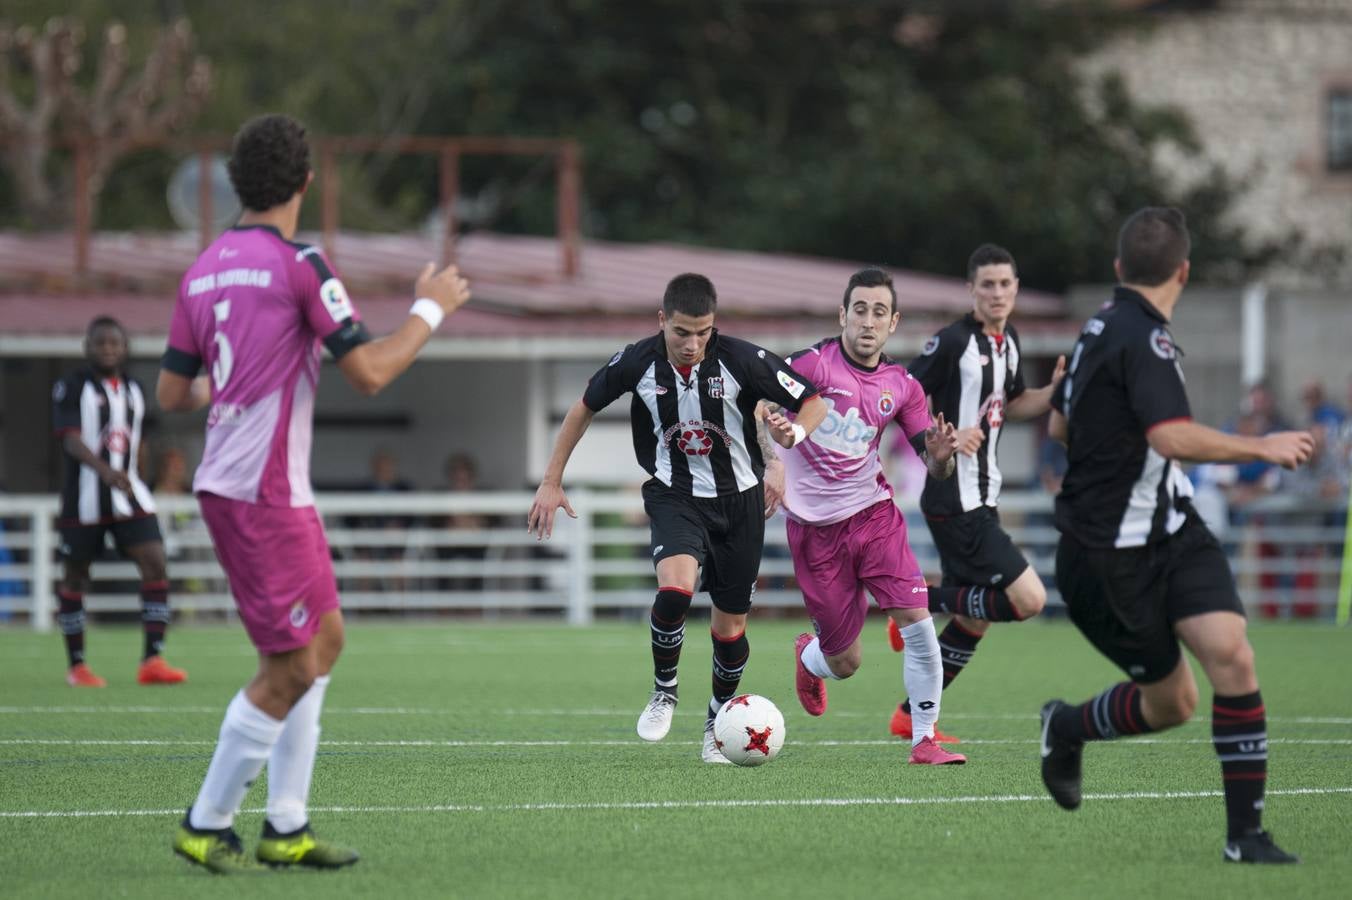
(749, 730)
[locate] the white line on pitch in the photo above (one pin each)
(687, 804)
(172, 742)
(547, 712)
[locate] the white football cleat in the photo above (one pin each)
(655, 720)
(711, 753)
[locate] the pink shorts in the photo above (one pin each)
(277, 560)
(834, 563)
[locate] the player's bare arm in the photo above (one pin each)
(774, 468)
(1192, 442)
(107, 474)
(370, 367)
(941, 445)
(178, 393)
(1057, 429)
(1031, 404)
(785, 434)
(549, 497)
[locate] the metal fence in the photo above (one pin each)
(470, 552)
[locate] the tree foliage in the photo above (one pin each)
(896, 132)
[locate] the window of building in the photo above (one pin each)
(1340, 129)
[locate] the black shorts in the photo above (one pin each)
(1126, 601)
(974, 549)
(84, 543)
(725, 534)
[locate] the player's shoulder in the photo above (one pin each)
(729, 347)
(311, 255)
(953, 335)
(638, 354)
(823, 351)
(71, 384)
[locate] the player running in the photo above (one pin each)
(1137, 568)
(695, 394)
(253, 310)
(98, 412)
(845, 532)
(973, 371)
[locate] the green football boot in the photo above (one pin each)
(219, 852)
(302, 848)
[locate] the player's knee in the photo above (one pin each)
(1028, 598)
(1233, 663)
(844, 665)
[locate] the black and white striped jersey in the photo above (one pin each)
(107, 414)
(696, 432)
(1124, 378)
(971, 377)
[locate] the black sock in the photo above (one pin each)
(667, 625)
(71, 619)
(1239, 732)
(271, 833)
(154, 616)
(1113, 713)
(956, 646)
(730, 655)
(974, 602)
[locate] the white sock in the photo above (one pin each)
(815, 661)
(247, 736)
(923, 673)
(293, 761)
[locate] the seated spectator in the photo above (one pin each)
(462, 476)
(384, 478)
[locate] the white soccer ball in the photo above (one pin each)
(749, 730)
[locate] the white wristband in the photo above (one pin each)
(429, 311)
(799, 434)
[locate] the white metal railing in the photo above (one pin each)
(403, 552)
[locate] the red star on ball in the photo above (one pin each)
(741, 700)
(758, 740)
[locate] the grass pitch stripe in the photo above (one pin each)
(173, 742)
(791, 802)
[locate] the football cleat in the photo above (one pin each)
(894, 638)
(1061, 761)
(811, 688)
(302, 848)
(655, 720)
(1256, 848)
(156, 671)
(901, 726)
(928, 753)
(219, 852)
(710, 752)
(80, 675)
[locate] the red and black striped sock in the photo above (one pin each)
(667, 626)
(1239, 733)
(730, 656)
(1112, 714)
(974, 602)
(956, 647)
(154, 616)
(70, 618)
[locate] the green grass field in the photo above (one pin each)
(474, 760)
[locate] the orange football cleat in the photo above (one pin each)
(894, 635)
(80, 675)
(901, 727)
(156, 671)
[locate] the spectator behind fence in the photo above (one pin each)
(1318, 409)
(384, 479)
(462, 476)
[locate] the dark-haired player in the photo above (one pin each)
(845, 531)
(972, 370)
(694, 422)
(1138, 569)
(254, 311)
(98, 412)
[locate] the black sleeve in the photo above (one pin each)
(351, 335)
(771, 378)
(932, 367)
(181, 362)
(918, 444)
(613, 380)
(1058, 397)
(66, 405)
(1153, 379)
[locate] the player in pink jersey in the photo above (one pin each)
(253, 311)
(845, 532)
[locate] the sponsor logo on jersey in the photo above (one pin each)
(886, 403)
(308, 251)
(1162, 344)
(836, 392)
(715, 387)
(695, 437)
(993, 410)
(336, 300)
(788, 383)
(848, 434)
(116, 440)
(227, 253)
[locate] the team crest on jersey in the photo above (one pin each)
(1162, 344)
(930, 346)
(715, 387)
(886, 403)
(795, 388)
